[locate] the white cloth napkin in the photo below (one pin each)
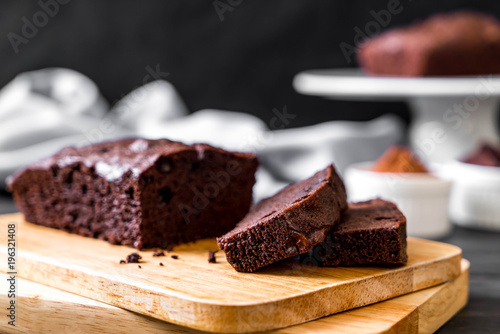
(43, 111)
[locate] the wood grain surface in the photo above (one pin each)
(43, 309)
(191, 292)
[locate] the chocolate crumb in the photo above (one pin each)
(175, 257)
(133, 258)
(211, 257)
(123, 261)
(158, 252)
(139, 267)
(124, 185)
(161, 264)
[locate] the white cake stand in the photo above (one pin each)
(451, 114)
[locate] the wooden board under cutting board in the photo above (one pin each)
(191, 292)
(45, 309)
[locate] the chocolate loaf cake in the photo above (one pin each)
(287, 224)
(143, 193)
(459, 43)
(368, 233)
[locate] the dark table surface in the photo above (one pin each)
(481, 248)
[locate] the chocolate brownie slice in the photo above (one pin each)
(143, 193)
(369, 232)
(287, 224)
(459, 43)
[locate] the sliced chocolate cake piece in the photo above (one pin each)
(143, 193)
(371, 232)
(287, 224)
(446, 44)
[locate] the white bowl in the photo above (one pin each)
(423, 198)
(475, 195)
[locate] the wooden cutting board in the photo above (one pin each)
(45, 309)
(191, 292)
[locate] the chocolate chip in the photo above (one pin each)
(69, 178)
(165, 195)
(175, 257)
(161, 264)
(140, 267)
(122, 262)
(133, 258)
(130, 192)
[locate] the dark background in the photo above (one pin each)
(245, 62)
